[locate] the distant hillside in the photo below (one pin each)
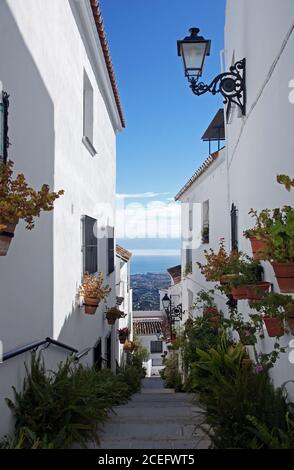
(145, 290)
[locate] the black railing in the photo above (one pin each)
(34, 346)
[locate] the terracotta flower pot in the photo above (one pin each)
(257, 291)
(122, 339)
(239, 293)
(6, 235)
(258, 248)
(285, 276)
(90, 305)
(274, 326)
(290, 321)
(111, 320)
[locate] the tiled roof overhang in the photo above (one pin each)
(123, 253)
(175, 272)
(202, 169)
(147, 327)
(107, 57)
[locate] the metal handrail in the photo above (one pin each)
(36, 345)
(82, 354)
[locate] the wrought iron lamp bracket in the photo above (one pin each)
(230, 84)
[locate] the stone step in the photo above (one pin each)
(149, 430)
(159, 391)
(150, 444)
(152, 412)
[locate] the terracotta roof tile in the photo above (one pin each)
(107, 57)
(202, 169)
(147, 327)
(123, 253)
(176, 273)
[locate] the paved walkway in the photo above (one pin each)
(155, 418)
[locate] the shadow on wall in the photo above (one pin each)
(26, 273)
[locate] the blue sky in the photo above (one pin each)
(161, 146)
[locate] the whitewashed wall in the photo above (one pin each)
(211, 186)
(260, 145)
(44, 49)
(123, 290)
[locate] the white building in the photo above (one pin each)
(148, 329)
(64, 115)
(124, 296)
(259, 145)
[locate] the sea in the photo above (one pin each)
(153, 264)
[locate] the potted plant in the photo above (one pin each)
(246, 329)
(274, 309)
(123, 334)
(281, 247)
(220, 266)
(259, 234)
(205, 303)
(113, 314)
(130, 346)
(93, 292)
(248, 284)
(19, 201)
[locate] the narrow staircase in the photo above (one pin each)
(155, 418)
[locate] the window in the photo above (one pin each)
(188, 268)
(90, 247)
(155, 347)
(234, 227)
(191, 217)
(4, 140)
(110, 249)
(205, 222)
(88, 115)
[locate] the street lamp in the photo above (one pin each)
(193, 49)
(173, 313)
(166, 302)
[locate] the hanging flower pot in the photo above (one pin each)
(285, 276)
(258, 248)
(258, 290)
(90, 305)
(239, 292)
(274, 326)
(123, 335)
(6, 236)
(113, 314)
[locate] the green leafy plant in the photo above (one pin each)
(19, 201)
(58, 409)
(281, 236)
(262, 225)
(286, 181)
(274, 305)
(114, 313)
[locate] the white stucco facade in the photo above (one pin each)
(46, 49)
(259, 145)
(147, 337)
(124, 292)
